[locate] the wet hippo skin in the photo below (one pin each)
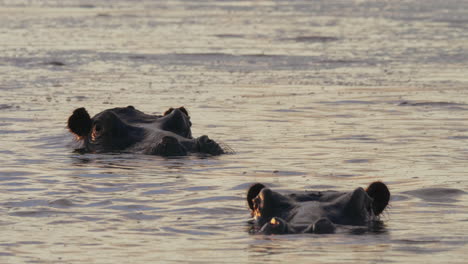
(125, 129)
(315, 212)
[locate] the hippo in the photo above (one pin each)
(318, 212)
(125, 129)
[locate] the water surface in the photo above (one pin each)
(311, 95)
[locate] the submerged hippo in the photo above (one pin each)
(315, 212)
(129, 130)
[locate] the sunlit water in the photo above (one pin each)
(311, 95)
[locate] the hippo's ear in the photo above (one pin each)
(184, 110)
(253, 192)
(381, 195)
(79, 122)
(168, 111)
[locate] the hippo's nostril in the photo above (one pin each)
(324, 226)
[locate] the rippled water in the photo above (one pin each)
(311, 95)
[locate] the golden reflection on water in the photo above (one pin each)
(310, 95)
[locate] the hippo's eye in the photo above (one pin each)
(97, 131)
(256, 207)
(256, 203)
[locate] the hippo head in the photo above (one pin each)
(315, 212)
(130, 130)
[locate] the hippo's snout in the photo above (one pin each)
(206, 145)
(169, 146)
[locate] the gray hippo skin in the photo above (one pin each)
(125, 129)
(315, 212)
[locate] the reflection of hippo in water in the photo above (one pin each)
(315, 212)
(127, 129)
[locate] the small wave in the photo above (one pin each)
(437, 194)
(312, 39)
(427, 104)
(39, 213)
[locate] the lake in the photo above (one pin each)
(311, 95)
